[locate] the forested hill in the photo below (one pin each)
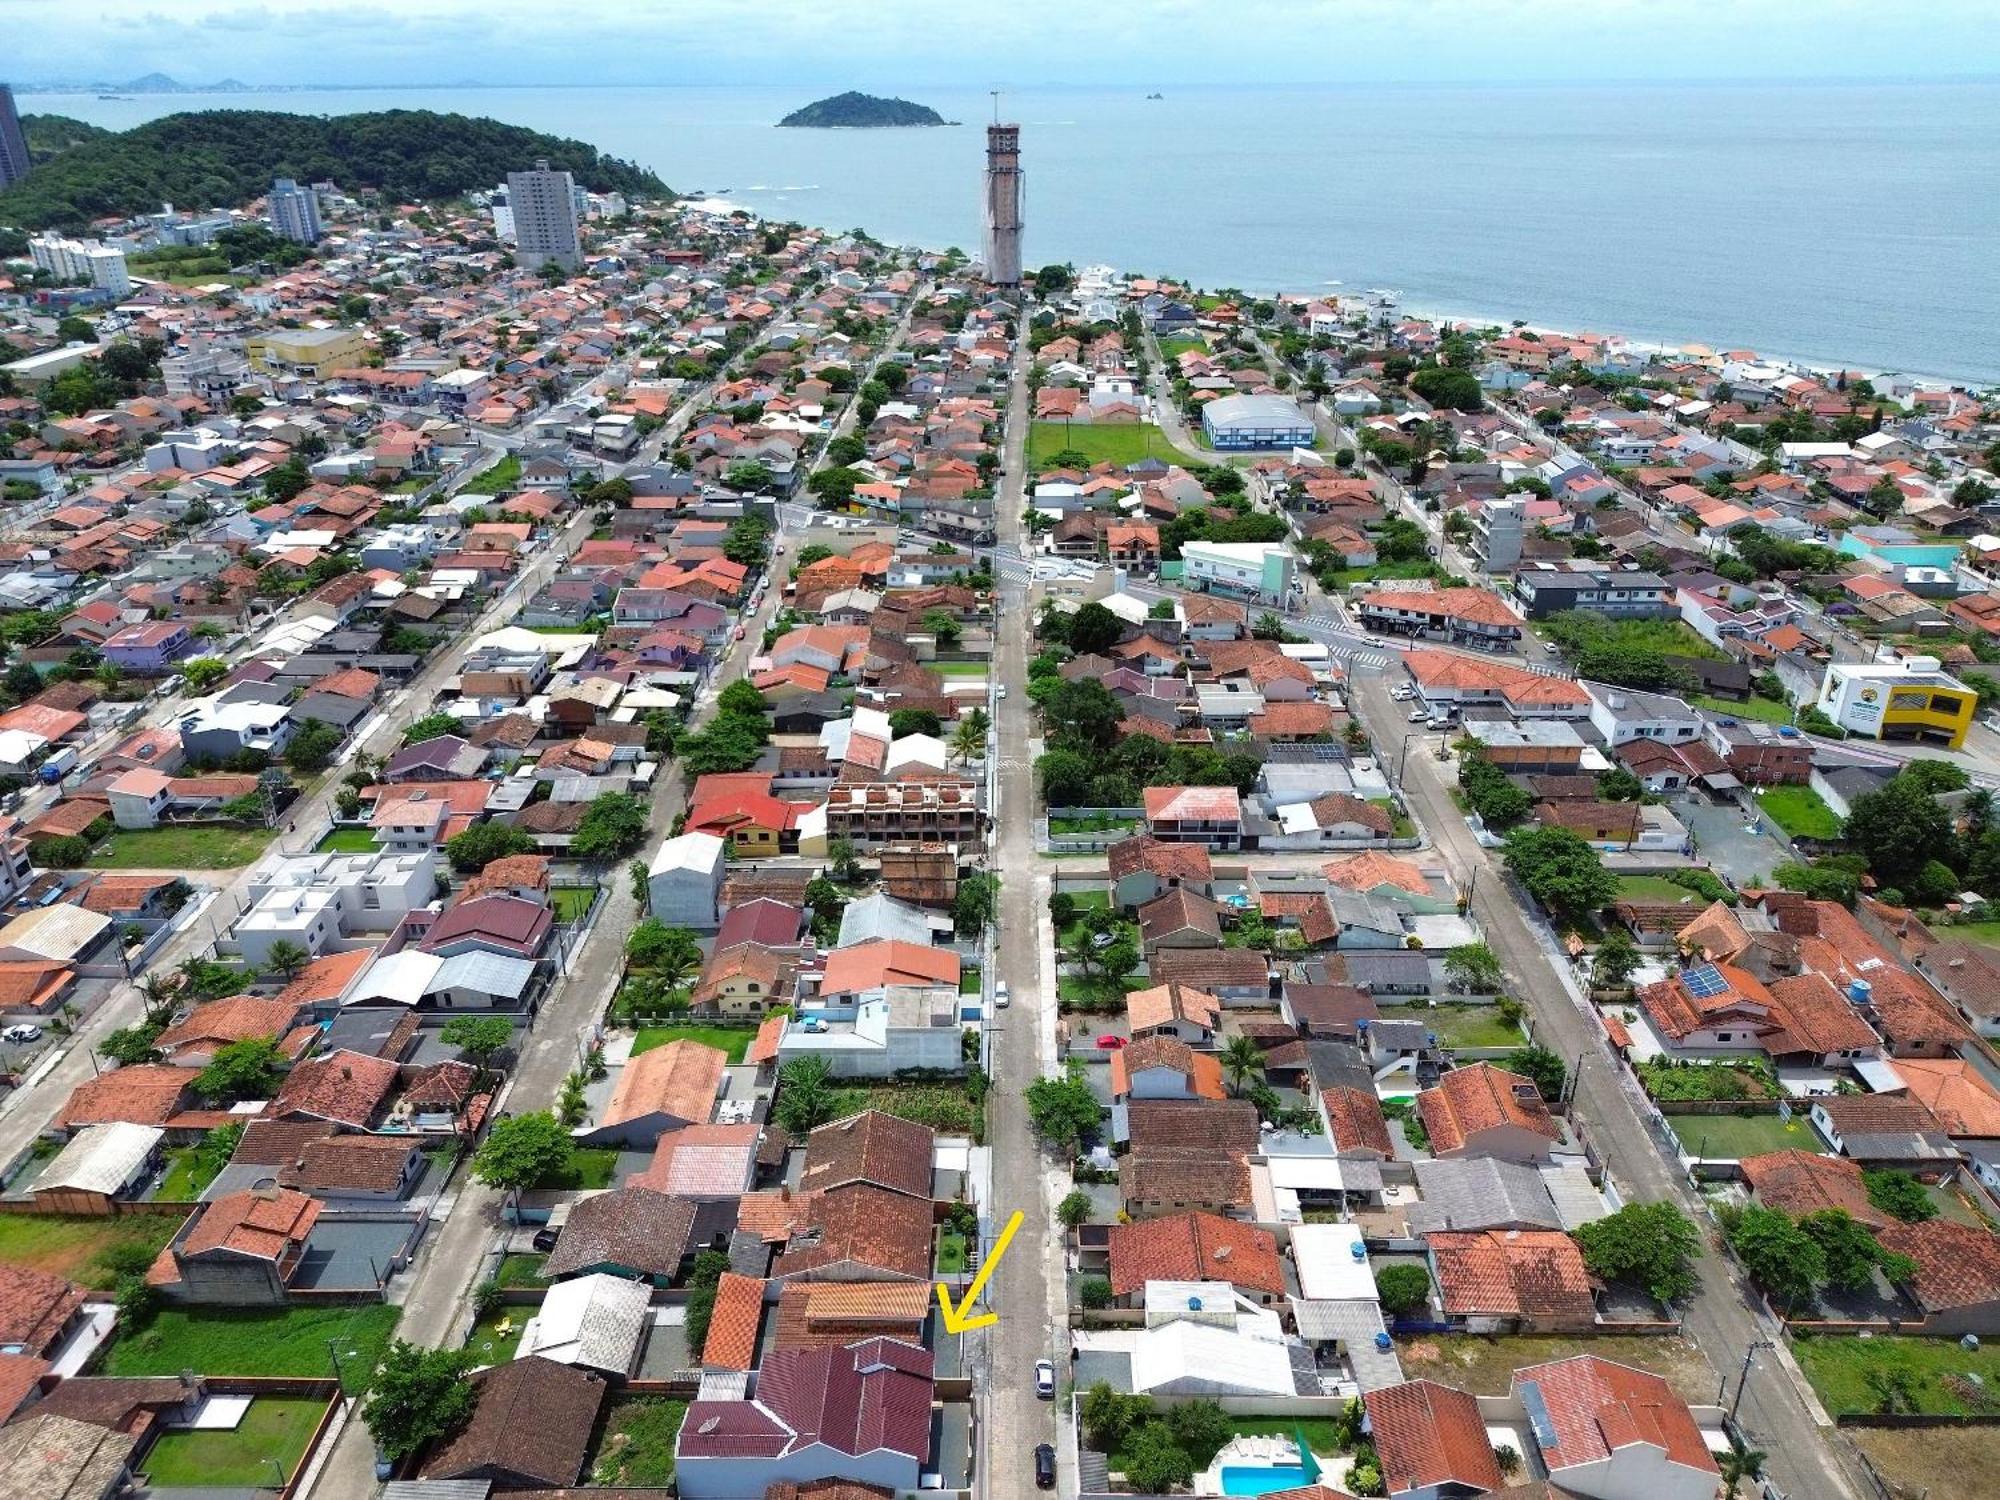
(852, 110)
(222, 158)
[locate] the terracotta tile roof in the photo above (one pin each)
(830, 1314)
(355, 1163)
(1430, 1435)
(263, 1226)
(1597, 1407)
(348, 1088)
(1181, 1178)
(1202, 1070)
(1535, 1274)
(511, 872)
(1357, 1121)
(889, 1233)
(1164, 858)
(1955, 1092)
(533, 1420)
(701, 1161)
(1372, 869)
(326, 978)
(631, 1228)
(870, 1147)
(35, 1307)
(237, 1019)
(1164, 1004)
(733, 1324)
(1482, 1097)
(116, 894)
(680, 1080)
(872, 1398)
(1193, 803)
(143, 1094)
(765, 1047)
(1211, 969)
(886, 961)
(1816, 1018)
(1958, 1265)
(1800, 1182)
(1878, 1114)
(1194, 1247)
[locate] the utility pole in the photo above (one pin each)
(1744, 1378)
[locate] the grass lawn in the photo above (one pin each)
(520, 1270)
(347, 841)
(1175, 348)
(1655, 888)
(573, 901)
(1670, 636)
(274, 1431)
(944, 1107)
(637, 1445)
(1075, 989)
(735, 1040)
(950, 1254)
(1974, 932)
(1106, 442)
(1336, 579)
(184, 848)
(589, 1167)
(1322, 1433)
(968, 979)
(259, 1341)
(76, 1247)
(1485, 1366)
(1753, 707)
(1461, 1025)
(962, 669)
(489, 1344)
(1733, 1137)
(1096, 824)
(505, 475)
(188, 1172)
(1923, 1370)
(1800, 811)
(1400, 826)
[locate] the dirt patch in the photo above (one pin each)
(1951, 1463)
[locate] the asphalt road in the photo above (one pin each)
(1725, 1318)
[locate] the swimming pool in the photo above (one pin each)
(1260, 1480)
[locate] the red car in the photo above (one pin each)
(1110, 1043)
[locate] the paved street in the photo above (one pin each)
(1725, 1317)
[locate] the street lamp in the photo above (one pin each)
(1744, 1378)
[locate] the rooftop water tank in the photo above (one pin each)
(1860, 991)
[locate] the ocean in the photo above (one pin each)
(1849, 224)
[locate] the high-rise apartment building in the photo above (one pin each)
(102, 265)
(543, 204)
(295, 212)
(13, 144)
(1003, 205)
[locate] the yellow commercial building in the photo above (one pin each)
(305, 351)
(1913, 699)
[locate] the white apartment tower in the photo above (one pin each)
(543, 204)
(295, 212)
(102, 265)
(1003, 205)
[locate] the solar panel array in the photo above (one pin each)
(1704, 980)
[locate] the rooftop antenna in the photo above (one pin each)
(995, 93)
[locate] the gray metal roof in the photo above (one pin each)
(1481, 1193)
(1354, 1323)
(486, 973)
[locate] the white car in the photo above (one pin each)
(1418, 715)
(1000, 996)
(1045, 1379)
(21, 1034)
(1003, 690)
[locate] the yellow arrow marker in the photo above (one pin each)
(962, 1319)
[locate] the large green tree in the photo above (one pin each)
(1561, 870)
(418, 1397)
(1648, 1245)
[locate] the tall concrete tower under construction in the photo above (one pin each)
(1003, 204)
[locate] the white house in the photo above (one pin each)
(684, 882)
(1612, 1432)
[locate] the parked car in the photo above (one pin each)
(1000, 995)
(1045, 1466)
(1418, 715)
(22, 1034)
(1045, 1379)
(1111, 1042)
(545, 1239)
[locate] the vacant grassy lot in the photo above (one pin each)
(1733, 1137)
(1907, 1374)
(1336, 579)
(637, 1445)
(77, 1248)
(1075, 989)
(273, 1432)
(1175, 348)
(961, 669)
(1097, 823)
(1461, 1025)
(1941, 1463)
(943, 1107)
(1800, 811)
(1485, 1366)
(1655, 888)
(503, 476)
(1109, 442)
(183, 848)
(346, 841)
(572, 902)
(1753, 707)
(735, 1040)
(259, 1341)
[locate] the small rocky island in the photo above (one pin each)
(853, 111)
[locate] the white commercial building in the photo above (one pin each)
(82, 260)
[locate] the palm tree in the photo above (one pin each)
(1740, 1463)
(673, 968)
(161, 995)
(804, 1100)
(286, 957)
(968, 741)
(1242, 1060)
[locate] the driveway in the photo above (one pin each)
(1725, 837)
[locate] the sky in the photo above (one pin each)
(901, 45)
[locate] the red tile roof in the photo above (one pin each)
(1482, 1097)
(1194, 1247)
(1597, 1407)
(732, 1325)
(1429, 1434)
(1533, 1274)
